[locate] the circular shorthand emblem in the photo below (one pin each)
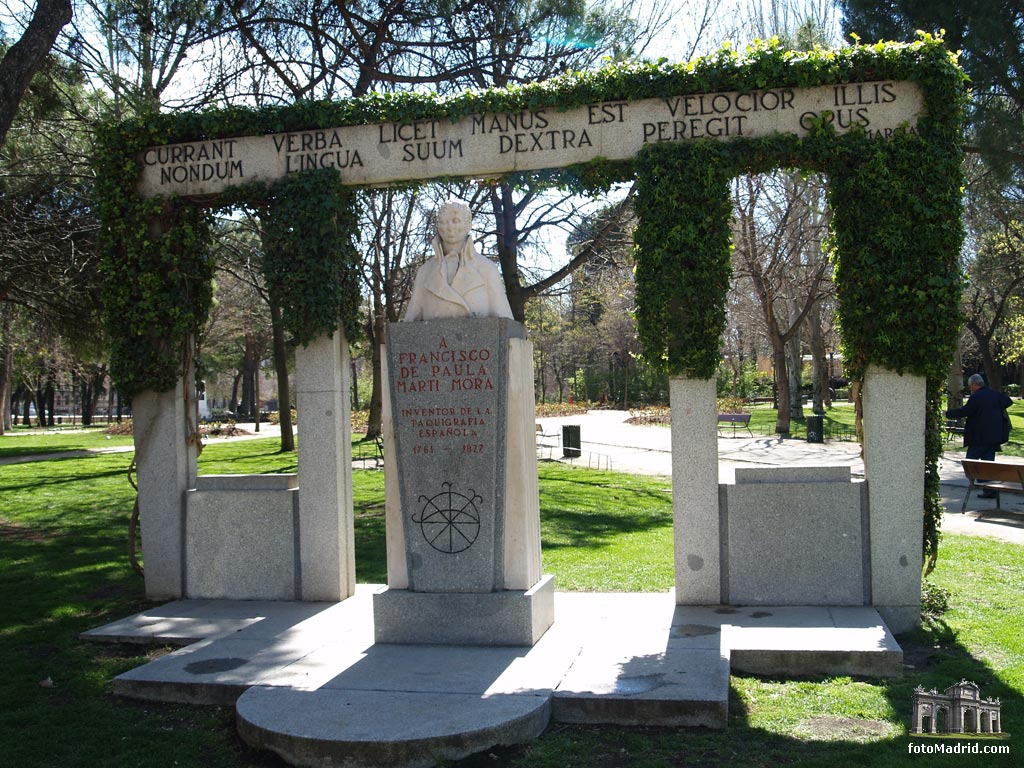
(449, 521)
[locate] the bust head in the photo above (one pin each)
(454, 220)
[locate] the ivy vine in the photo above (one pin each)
(684, 243)
(157, 273)
(895, 202)
(311, 262)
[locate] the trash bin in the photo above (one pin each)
(815, 429)
(571, 441)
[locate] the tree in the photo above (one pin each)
(24, 58)
(48, 266)
(397, 225)
(990, 36)
(512, 43)
(150, 54)
(995, 278)
(247, 326)
(780, 224)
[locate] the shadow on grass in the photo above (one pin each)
(821, 729)
(585, 509)
(934, 658)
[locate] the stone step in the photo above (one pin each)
(336, 726)
(309, 683)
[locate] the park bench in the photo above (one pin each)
(543, 437)
(734, 420)
(995, 476)
(953, 428)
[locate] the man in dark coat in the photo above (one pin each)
(984, 410)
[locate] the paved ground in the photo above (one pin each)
(608, 442)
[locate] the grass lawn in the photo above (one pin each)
(63, 569)
(25, 442)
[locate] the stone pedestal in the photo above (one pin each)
(325, 529)
(462, 506)
(166, 469)
(894, 425)
(695, 512)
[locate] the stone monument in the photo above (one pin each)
(463, 519)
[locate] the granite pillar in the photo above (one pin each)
(894, 455)
(326, 543)
(165, 460)
(695, 491)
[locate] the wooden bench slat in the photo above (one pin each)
(1003, 477)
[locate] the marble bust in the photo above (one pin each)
(456, 281)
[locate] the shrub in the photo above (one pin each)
(731, 405)
(934, 600)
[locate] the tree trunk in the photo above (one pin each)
(257, 410)
(374, 419)
(236, 382)
(955, 381)
(795, 363)
(781, 382)
(284, 392)
(246, 408)
(6, 367)
(819, 366)
(507, 235)
(51, 397)
(40, 400)
(85, 390)
(992, 371)
(542, 383)
(91, 388)
(626, 383)
(25, 57)
(355, 385)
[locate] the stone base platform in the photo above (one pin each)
(309, 683)
(464, 618)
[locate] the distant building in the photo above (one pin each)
(958, 709)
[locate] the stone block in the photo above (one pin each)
(394, 522)
(522, 558)
(166, 468)
(674, 688)
(794, 543)
(695, 491)
(745, 475)
(282, 482)
(448, 382)
(485, 146)
(464, 618)
(894, 425)
(318, 365)
(241, 545)
(326, 537)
